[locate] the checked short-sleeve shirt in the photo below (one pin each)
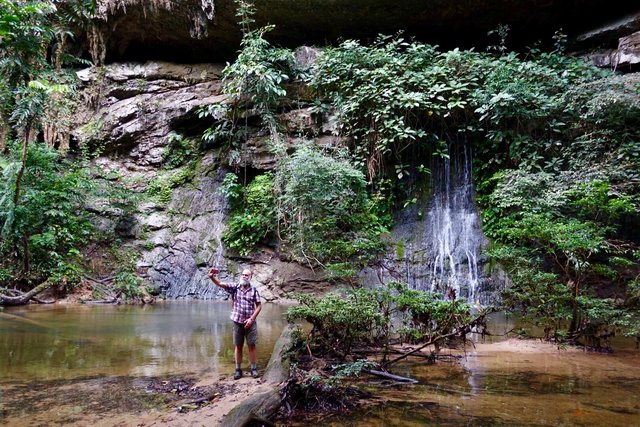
(245, 299)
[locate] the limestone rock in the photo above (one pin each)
(131, 108)
(625, 57)
(607, 35)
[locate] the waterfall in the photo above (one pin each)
(439, 240)
(452, 239)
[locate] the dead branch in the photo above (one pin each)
(389, 376)
(24, 298)
(39, 301)
(459, 331)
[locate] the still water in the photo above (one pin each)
(512, 383)
(98, 358)
(173, 338)
(60, 363)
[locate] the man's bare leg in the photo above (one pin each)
(253, 359)
(238, 358)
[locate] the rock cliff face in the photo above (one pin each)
(206, 30)
(131, 110)
(625, 58)
(129, 114)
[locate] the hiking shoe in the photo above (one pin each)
(238, 374)
(254, 373)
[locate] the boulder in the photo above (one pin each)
(624, 58)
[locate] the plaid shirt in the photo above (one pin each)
(244, 301)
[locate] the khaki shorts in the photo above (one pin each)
(240, 333)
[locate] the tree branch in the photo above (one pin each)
(24, 298)
(458, 331)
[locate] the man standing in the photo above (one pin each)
(246, 307)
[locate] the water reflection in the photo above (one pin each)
(53, 357)
(509, 382)
(66, 342)
(512, 386)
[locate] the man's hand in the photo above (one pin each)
(213, 275)
(248, 323)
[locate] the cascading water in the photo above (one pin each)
(439, 241)
(453, 237)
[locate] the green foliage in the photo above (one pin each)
(340, 272)
(49, 214)
(340, 321)
(549, 229)
(316, 222)
(253, 215)
(25, 35)
(332, 223)
(162, 186)
(224, 129)
(161, 189)
(353, 369)
(361, 317)
(259, 71)
(558, 217)
(126, 281)
(34, 90)
(232, 189)
(394, 96)
(253, 83)
(179, 151)
(426, 315)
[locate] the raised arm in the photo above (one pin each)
(213, 275)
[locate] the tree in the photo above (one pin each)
(38, 196)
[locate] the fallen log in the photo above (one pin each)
(459, 331)
(40, 301)
(24, 298)
(114, 300)
(256, 408)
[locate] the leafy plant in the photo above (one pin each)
(179, 151)
(253, 83)
(326, 222)
(45, 227)
(253, 214)
(126, 281)
(393, 97)
(361, 317)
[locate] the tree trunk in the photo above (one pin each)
(23, 165)
(25, 254)
(573, 327)
(391, 377)
(4, 130)
(16, 195)
(24, 298)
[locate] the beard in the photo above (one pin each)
(244, 281)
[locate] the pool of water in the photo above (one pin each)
(512, 384)
(63, 365)
(172, 338)
(60, 361)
